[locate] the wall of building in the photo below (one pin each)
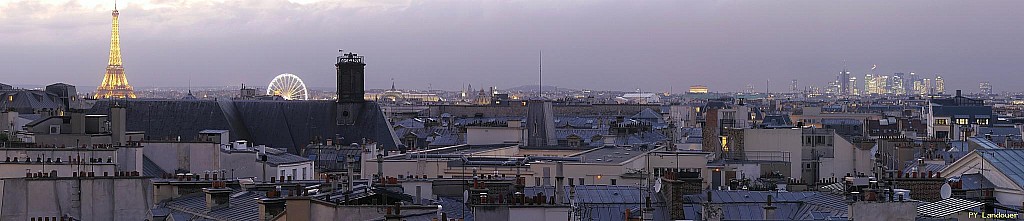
(193, 157)
(111, 198)
(896, 211)
(298, 171)
(776, 140)
(533, 213)
(494, 135)
(847, 159)
(305, 209)
(244, 164)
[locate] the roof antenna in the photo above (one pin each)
(540, 72)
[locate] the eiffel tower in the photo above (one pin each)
(115, 84)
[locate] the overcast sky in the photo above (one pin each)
(593, 44)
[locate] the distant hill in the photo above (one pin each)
(533, 88)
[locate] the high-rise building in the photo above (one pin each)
(833, 88)
(927, 86)
(794, 87)
(940, 85)
(115, 84)
(844, 82)
(853, 86)
(898, 86)
(882, 85)
(869, 84)
(986, 88)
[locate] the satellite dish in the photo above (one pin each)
(946, 191)
(657, 185)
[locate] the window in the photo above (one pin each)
(961, 121)
(613, 182)
(982, 121)
(941, 122)
(581, 181)
(537, 181)
(571, 182)
(282, 173)
(294, 171)
(303, 173)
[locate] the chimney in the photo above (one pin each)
(77, 121)
(271, 206)
(957, 93)
(7, 119)
(349, 172)
(769, 210)
(419, 195)
(117, 125)
(217, 195)
(394, 213)
(559, 179)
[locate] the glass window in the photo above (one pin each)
(941, 122)
(303, 173)
(961, 121)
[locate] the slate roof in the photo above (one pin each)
(1009, 162)
(777, 120)
(948, 111)
(26, 101)
(975, 181)
(647, 114)
(749, 205)
(285, 124)
(241, 206)
(945, 207)
(603, 202)
(149, 168)
(984, 143)
(285, 158)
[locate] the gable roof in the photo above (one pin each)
(1009, 162)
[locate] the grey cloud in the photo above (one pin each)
(587, 44)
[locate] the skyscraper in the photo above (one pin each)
(794, 87)
(927, 86)
(869, 84)
(853, 86)
(898, 87)
(940, 85)
(844, 82)
(986, 88)
(115, 84)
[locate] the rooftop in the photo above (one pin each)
(612, 154)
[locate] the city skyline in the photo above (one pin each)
(444, 46)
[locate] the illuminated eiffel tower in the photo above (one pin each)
(115, 84)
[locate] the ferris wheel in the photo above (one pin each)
(289, 87)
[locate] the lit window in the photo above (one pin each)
(725, 144)
(961, 121)
(983, 121)
(941, 122)
(10, 98)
